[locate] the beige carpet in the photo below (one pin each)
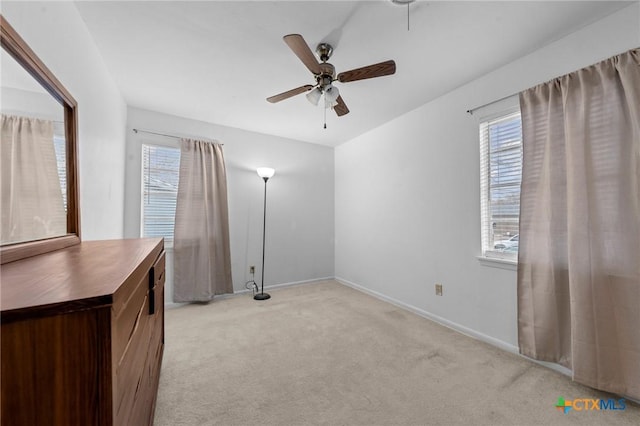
(324, 353)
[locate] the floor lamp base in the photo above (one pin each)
(262, 296)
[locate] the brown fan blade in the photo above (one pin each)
(289, 93)
(341, 109)
(372, 71)
(302, 51)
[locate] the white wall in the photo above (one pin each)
(300, 199)
(30, 104)
(407, 193)
(57, 34)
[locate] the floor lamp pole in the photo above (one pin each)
(262, 295)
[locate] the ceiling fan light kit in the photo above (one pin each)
(314, 96)
(325, 75)
(331, 94)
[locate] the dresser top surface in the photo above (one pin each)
(91, 271)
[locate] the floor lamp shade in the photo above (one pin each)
(265, 173)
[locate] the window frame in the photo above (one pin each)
(489, 253)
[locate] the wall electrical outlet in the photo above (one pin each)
(438, 289)
(252, 269)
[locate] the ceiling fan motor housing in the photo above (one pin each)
(327, 70)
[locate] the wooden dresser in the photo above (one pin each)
(82, 334)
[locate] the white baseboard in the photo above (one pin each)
(173, 305)
(428, 315)
(454, 326)
(274, 286)
(244, 291)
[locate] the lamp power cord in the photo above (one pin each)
(251, 284)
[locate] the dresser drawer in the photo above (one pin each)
(127, 319)
(131, 369)
(137, 371)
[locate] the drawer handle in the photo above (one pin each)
(152, 302)
(152, 277)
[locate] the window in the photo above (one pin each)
(160, 166)
(501, 174)
(59, 145)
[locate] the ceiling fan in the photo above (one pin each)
(325, 75)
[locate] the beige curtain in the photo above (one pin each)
(32, 203)
(201, 240)
(579, 254)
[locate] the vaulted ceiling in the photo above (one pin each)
(218, 61)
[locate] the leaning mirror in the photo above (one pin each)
(38, 163)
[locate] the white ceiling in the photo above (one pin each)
(217, 61)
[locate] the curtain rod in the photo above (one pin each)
(21, 115)
(470, 111)
(160, 134)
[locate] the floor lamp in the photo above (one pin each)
(265, 173)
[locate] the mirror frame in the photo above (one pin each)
(14, 45)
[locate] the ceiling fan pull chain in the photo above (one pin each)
(325, 112)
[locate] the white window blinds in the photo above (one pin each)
(501, 174)
(160, 167)
(59, 144)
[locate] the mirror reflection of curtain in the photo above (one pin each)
(32, 204)
(202, 266)
(579, 264)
